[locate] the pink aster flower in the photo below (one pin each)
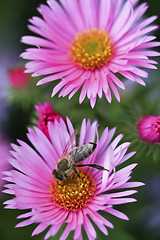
(47, 114)
(74, 200)
(18, 78)
(149, 129)
(87, 43)
(4, 154)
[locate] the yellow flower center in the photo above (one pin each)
(91, 49)
(73, 193)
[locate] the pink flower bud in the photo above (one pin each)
(47, 114)
(18, 78)
(149, 129)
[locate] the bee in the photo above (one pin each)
(67, 163)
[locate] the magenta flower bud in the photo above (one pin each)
(149, 129)
(46, 114)
(18, 78)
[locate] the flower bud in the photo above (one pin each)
(18, 78)
(149, 129)
(47, 114)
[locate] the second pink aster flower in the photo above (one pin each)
(76, 200)
(86, 43)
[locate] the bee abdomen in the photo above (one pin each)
(84, 151)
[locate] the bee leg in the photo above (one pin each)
(65, 175)
(76, 172)
(93, 165)
(59, 183)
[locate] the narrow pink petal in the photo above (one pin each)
(121, 201)
(108, 92)
(116, 213)
(92, 101)
(96, 217)
(121, 153)
(108, 159)
(43, 146)
(126, 169)
(24, 223)
(66, 232)
(90, 131)
(52, 231)
(40, 228)
(132, 184)
(90, 86)
(70, 126)
(91, 233)
(82, 133)
(8, 191)
(70, 217)
(37, 41)
(80, 216)
(126, 157)
(117, 81)
(121, 194)
(98, 223)
(104, 13)
(116, 140)
(82, 94)
(89, 16)
(57, 88)
(121, 19)
(139, 72)
(73, 92)
(50, 70)
(115, 91)
(133, 77)
(102, 228)
(77, 232)
(76, 16)
(25, 215)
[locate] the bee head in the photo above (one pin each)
(57, 175)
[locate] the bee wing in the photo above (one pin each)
(70, 144)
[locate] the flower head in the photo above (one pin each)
(87, 43)
(47, 114)
(149, 129)
(75, 199)
(18, 78)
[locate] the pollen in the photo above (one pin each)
(91, 49)
(73, 193)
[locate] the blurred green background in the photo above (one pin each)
(144, 215)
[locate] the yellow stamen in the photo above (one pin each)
(73, 193)
(91, 49)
